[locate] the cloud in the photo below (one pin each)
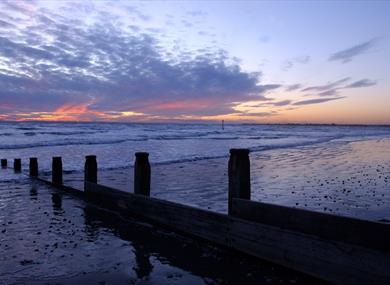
(330, 92)
(332, 88)
(361, 83)
(134, 11)
(293, 87)
(282, 103)
(315, 101)
(100, 69)
(348, 54)
(290, 63)
(327, 86)
(258, 114)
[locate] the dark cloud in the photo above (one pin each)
(57, 61)
(327, 86)
(293, 87)
(315, 101)
(282, 103)
(258, 114)
(348, 54)
(333, 88)
(361, 83)
(330, 92)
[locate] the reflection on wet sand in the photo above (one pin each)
(199, 258)
(33, 193)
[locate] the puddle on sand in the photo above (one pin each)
(47, 237)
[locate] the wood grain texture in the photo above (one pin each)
(349, 230)
(328, 259)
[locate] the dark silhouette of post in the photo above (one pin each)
(57, 170)
(17, 165)
(239, 176)
(142, 174)
(4, 163)
(33, 166)
(90, 169)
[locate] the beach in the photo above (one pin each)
(47, 236)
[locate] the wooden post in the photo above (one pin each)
(57, 170)
(90, 169)
(4, 163)
(142, 174)
(239, 176)
(17, 165)
(33, 167)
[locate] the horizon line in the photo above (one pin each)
(200, 122)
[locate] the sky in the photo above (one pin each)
(255, 61)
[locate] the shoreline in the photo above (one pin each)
(182, 122)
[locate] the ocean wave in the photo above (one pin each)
(26, 128)
(209, 157)
(65, 143)
(316, 138)
(29, 134)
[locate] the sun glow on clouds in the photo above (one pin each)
(73, 113)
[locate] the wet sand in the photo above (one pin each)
(351, 179)
(48, 237)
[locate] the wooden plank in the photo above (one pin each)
(67, 189)
(334, 261)
(33, 167)
(56, 170)
(349, 230)
(142, 174)
(239, 176)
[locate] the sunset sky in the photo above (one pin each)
(266, 62)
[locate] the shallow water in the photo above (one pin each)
(115, 144)
(48, 237)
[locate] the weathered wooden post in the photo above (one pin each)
(4, 163)
(142, 174)
(33, 167)
(90, 169)
(57, 170)
(239, 176)
(17, 165)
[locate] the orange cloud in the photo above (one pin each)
(74, 112)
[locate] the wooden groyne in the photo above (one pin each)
(341, 250)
